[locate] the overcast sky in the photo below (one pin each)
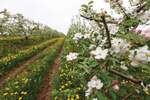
(57, 14)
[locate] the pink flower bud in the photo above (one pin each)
(106, 91)
(98, 60)
(147, 31)
(148, 85)
(146, 37)
(91, 53)
(116, 87)
(107, 55)
(68, 59)
(105, 12)
(117, 91)
(91, 91)
(134, 30)
(115, 81)
(139, 31)
(76, 54)
(94, 78)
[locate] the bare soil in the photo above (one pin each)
(47, 85)
(20, 68)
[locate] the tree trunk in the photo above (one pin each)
(42, 38)
(27, 40)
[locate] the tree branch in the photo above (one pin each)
(111, 22)
(136, 25)
(107, 31)
(138, 80)
(2, 12)
(123, 11)
(128, 95)
(139, 9)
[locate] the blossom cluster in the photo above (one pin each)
(145, 33)
(72, 56)
(119, 47)
(140, 57)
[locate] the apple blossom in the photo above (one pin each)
(137, 90)
(94, 78)
(72, 56)
(92, 46)
(116, 87)
(99, 53)
(97, 84)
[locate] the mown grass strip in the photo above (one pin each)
(67, 84)
(25, 86)
(11, 61)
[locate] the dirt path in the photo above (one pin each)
(47, 85)
(20, 68)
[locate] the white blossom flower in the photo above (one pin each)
(94, 98)
(72, 56)
(87, 36)
(99, 53)
(97, 84)
(124, 67)
(137, 90)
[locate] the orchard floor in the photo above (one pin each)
(21, 68)
(47, 85)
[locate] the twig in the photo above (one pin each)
(137, 80)
(107, 31)
(111, 22)
(131, 30)
(128, 95)
(2, 12)
(123, 11)
(139, 9)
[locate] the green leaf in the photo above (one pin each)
(82, 5)
(107, 16)
(148, 5)
(100, 95)
(79, 66)
(113, 95)
(80, 58)
(93, 64)
(148, 43)
(90, 59)
(90, 2)
(56, 84)
(114, 59)
(91, 6)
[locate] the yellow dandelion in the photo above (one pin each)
(5, 93)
